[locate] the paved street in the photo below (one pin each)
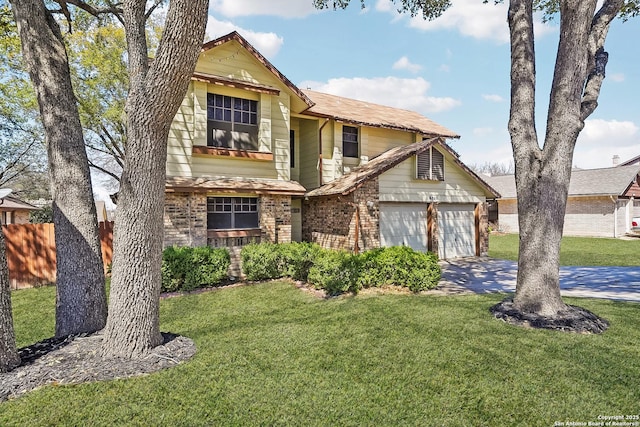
(482, 275)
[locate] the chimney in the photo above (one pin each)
(616, 160)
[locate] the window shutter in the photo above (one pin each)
(424, 165)
(437, 165)
(430, 165)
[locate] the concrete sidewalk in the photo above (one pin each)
(483, 275)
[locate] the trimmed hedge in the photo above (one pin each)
(400, 265)
(339, 271)
(186, 268)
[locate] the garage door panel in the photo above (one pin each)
(404, 225)
(456, 230)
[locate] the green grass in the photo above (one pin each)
(270, 354)
(584, 251)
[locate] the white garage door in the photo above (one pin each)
(404, 224)
(456, 230)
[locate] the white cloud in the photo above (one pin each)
(282, 8)
(475, 19)
(493, 98)
(404, 64)
(444, 67)
(601, 139)
(410, 94)
(268, 44)
(605, 132)
(471, 18)
(385, 6)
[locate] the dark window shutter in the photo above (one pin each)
(424, 165)
(437, 165)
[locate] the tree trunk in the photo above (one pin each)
(80, 297)
(156, 92)
(543, 175)
(9, 358)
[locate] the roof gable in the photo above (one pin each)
(351, 181)
(234, 36)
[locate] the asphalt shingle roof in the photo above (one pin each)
(584, 182)
(374, 115)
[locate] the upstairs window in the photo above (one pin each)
(430, 165)
(232, 122)
(349, 141)
(227, 213)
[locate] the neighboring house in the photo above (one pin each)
(251, 157)
(15, 211)
(601, 202)
(634, 161)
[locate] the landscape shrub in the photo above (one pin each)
(339, 271)
(262, 261)
(186, 268)
(298, 258)
(401, 266)
(335, 271)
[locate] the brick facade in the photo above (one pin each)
(331, 221)
(185, 224)
(185, 219)
(275, 219)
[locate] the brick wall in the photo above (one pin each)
(275, 218)
(331, 221)
(185, 224)
(185, 219)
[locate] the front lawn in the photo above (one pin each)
(270, 354)
(584, 251)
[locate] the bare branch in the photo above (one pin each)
(152, 8)
(103, 170)
(95, 11)
(597, 56)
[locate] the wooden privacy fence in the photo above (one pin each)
(31, 252)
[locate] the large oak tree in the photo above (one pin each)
(542, 174)
(157, 89)
(81, 304)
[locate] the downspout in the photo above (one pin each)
(320, 152)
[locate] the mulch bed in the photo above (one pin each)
(75, 360)
(573, 319)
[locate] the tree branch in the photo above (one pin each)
(103, 170)
(597, 56)
(152, 8)
(112, 8)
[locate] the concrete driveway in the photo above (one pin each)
(483, 275)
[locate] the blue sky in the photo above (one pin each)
(454, 70)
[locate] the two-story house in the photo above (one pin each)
(252, 157)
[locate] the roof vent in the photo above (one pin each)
(616, 160)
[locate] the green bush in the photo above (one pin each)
(262, 261)
(298, 258)
(401, 266)
(186, 268)
(339, 271)
(336, 272)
